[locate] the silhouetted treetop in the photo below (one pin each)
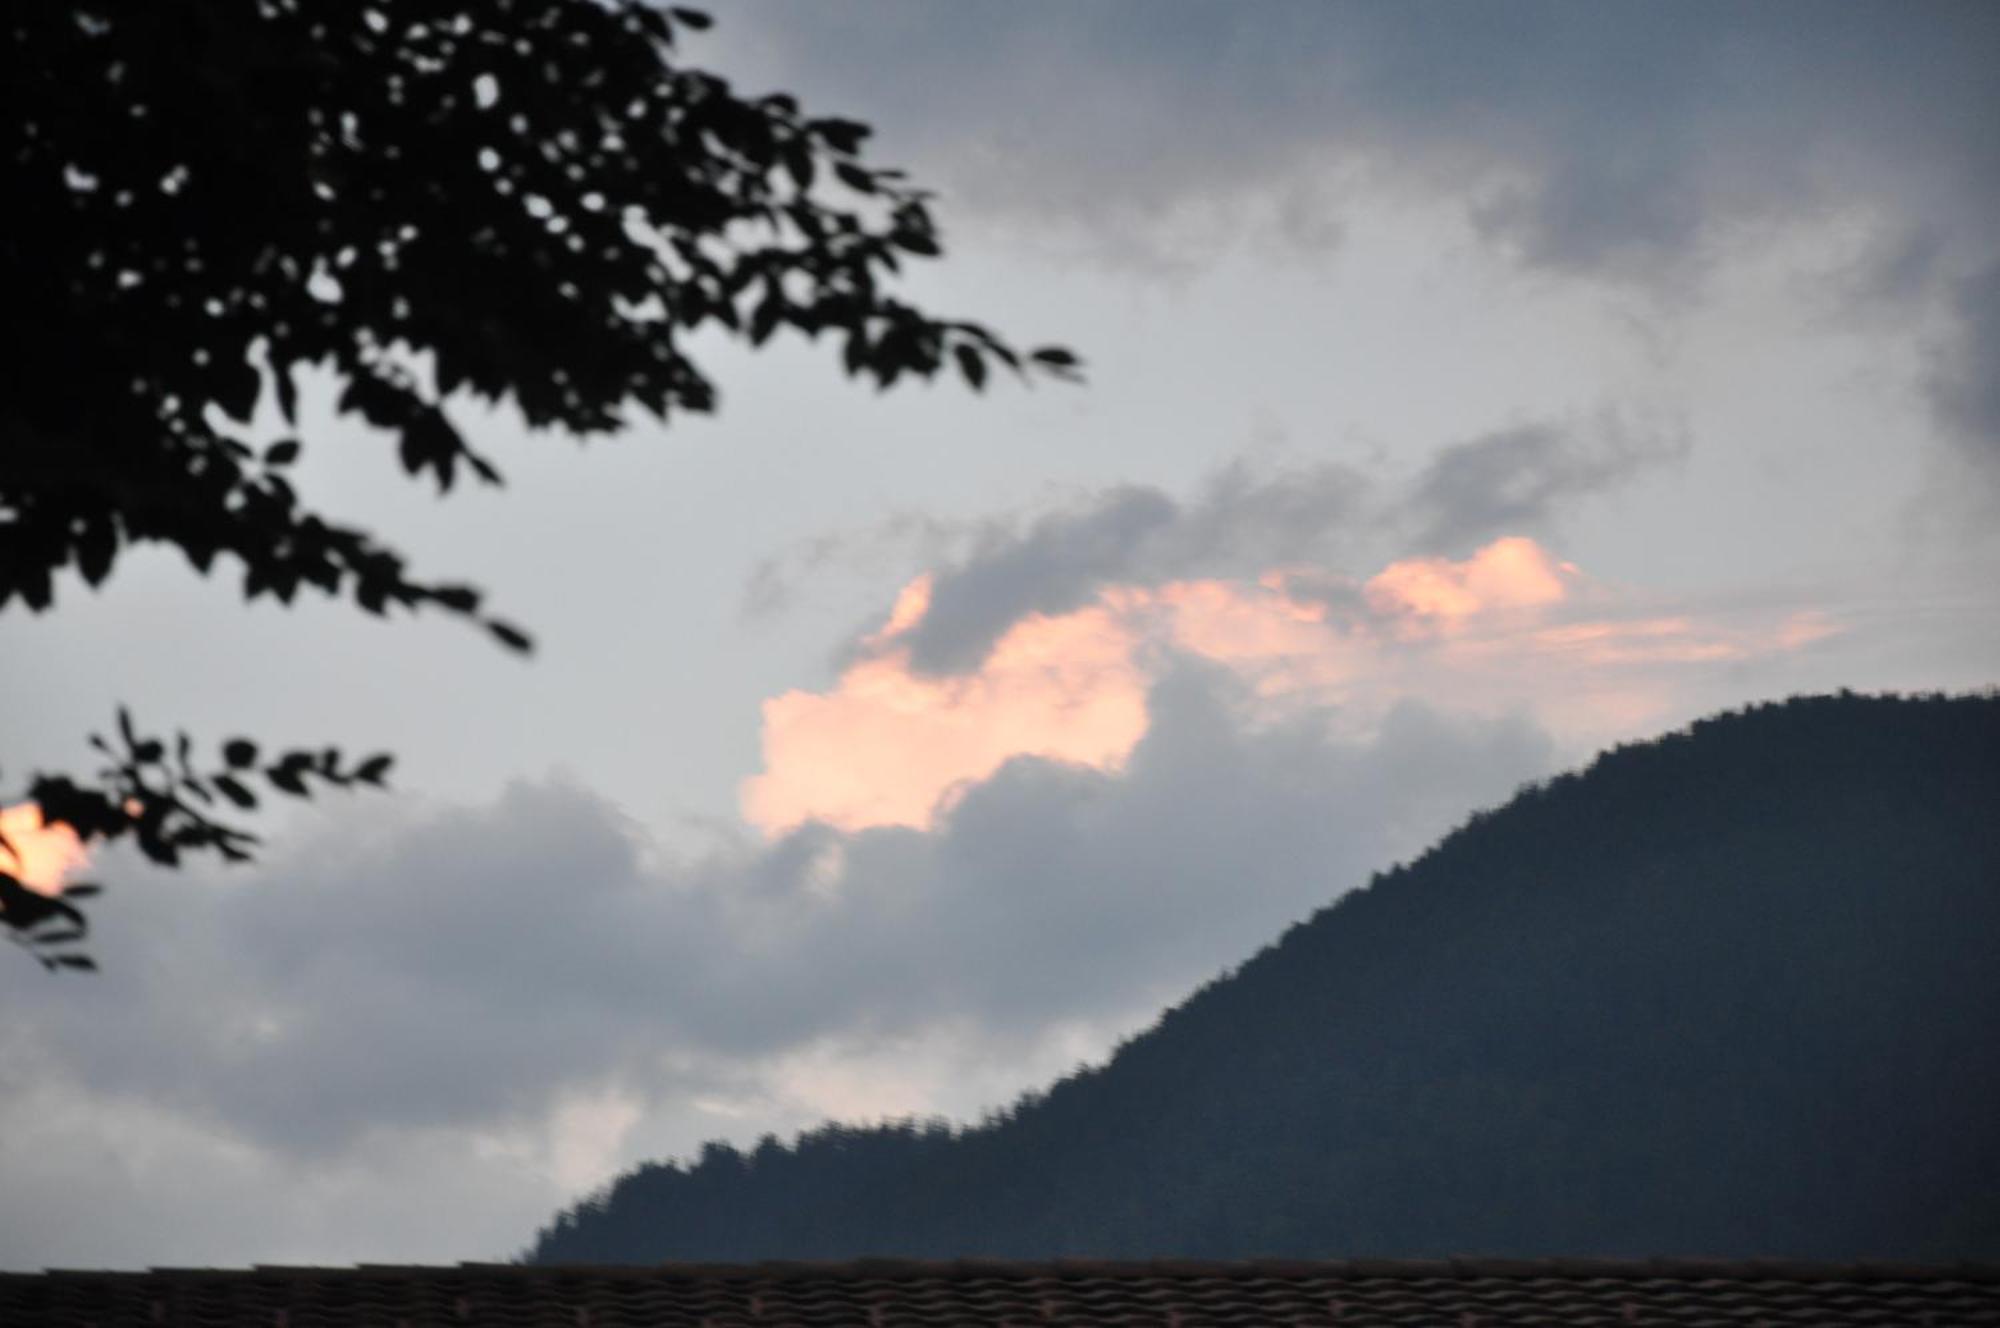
(531, 201)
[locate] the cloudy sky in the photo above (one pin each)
(1470, 387)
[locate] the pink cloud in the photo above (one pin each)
(887, 744)
(1508, 628)
(43, 857)
(1512, 573)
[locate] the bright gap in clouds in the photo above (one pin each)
(1509, 628)
(38, 856)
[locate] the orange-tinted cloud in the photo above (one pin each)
(1508, 628)
(43, 856)
(887, 744)
(1512, 573)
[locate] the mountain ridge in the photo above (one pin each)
(1726, 992)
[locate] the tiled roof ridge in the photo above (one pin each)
(888, 1269)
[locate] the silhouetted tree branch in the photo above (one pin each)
(529, 202)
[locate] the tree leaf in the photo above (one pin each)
(510, 636)
(971, 365)
(459, 599)
(234, 790)
(840, 134)
(288, 778)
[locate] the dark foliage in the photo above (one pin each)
(1733, 992)
(523, 201)
(158, 797)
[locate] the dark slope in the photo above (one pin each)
(1733, 992)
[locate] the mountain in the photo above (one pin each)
(1732, 992)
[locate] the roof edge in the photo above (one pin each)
(1460, 1268)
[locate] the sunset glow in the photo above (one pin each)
(1498, 630)
(887, 744)
(1509, 573)
(44, 856)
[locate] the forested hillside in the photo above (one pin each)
(1732, 992)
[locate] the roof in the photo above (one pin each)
(1458, 1293)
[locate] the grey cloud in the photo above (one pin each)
(405, 972)
(1617, 134)
(1058, 562)
(1518, 481)
(882, 550)
(1966, 389)
(468, 970)
(1215, 840)
(768, 588)
(1900, 269)
(1611, 140)
(1522, 480)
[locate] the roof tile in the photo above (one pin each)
(884, 1293)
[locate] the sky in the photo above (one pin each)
(1469, 388)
